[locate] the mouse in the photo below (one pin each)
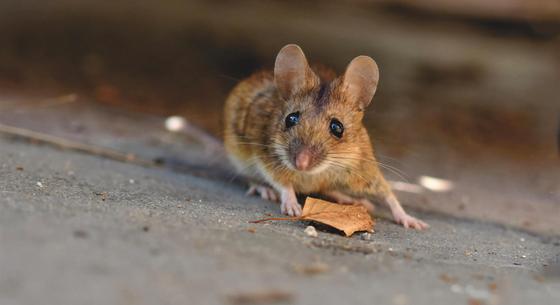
(298, 129)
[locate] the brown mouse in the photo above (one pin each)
(299, 129)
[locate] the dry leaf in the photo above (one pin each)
(346, 218)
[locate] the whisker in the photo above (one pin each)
(390, 168)
(343, 166)
(394, 171)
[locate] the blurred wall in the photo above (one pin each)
(481, 83)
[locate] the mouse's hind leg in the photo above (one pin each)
(247, 167)
(342, 198)
(264, 191)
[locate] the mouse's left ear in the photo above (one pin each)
(292, 74)
(360, 80)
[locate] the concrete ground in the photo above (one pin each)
(80, 229)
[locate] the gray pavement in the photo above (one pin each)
(78, 229)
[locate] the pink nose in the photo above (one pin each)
(303, 160)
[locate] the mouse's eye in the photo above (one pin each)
(336, 127)
(292, 119)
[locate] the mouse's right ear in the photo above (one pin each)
(292, 73)
(360, 80)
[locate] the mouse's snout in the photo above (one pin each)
(304, 157)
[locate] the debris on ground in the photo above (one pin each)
(366, 236)
(310, 231)
(436, 184)
(346, 218)
(312, 269)
(261, 297)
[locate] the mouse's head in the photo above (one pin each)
(321, 121)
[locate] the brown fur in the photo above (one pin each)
(259, 143)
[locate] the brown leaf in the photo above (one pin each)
(346, 218)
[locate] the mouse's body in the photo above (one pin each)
(299, 130)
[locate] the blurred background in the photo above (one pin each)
(469, 90)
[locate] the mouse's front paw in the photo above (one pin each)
(290, 207)
(266, 193)
(410, 222)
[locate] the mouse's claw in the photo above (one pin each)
(265, 192)
(291, 208)
(290, 205)
(410, 222)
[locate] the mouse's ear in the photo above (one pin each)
(292, 74)
(360, 80)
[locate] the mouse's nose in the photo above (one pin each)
(303, 159)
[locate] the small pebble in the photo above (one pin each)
(39, 184)
(435, 184)
(310, 231)
(365, 236)
(175, 123)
